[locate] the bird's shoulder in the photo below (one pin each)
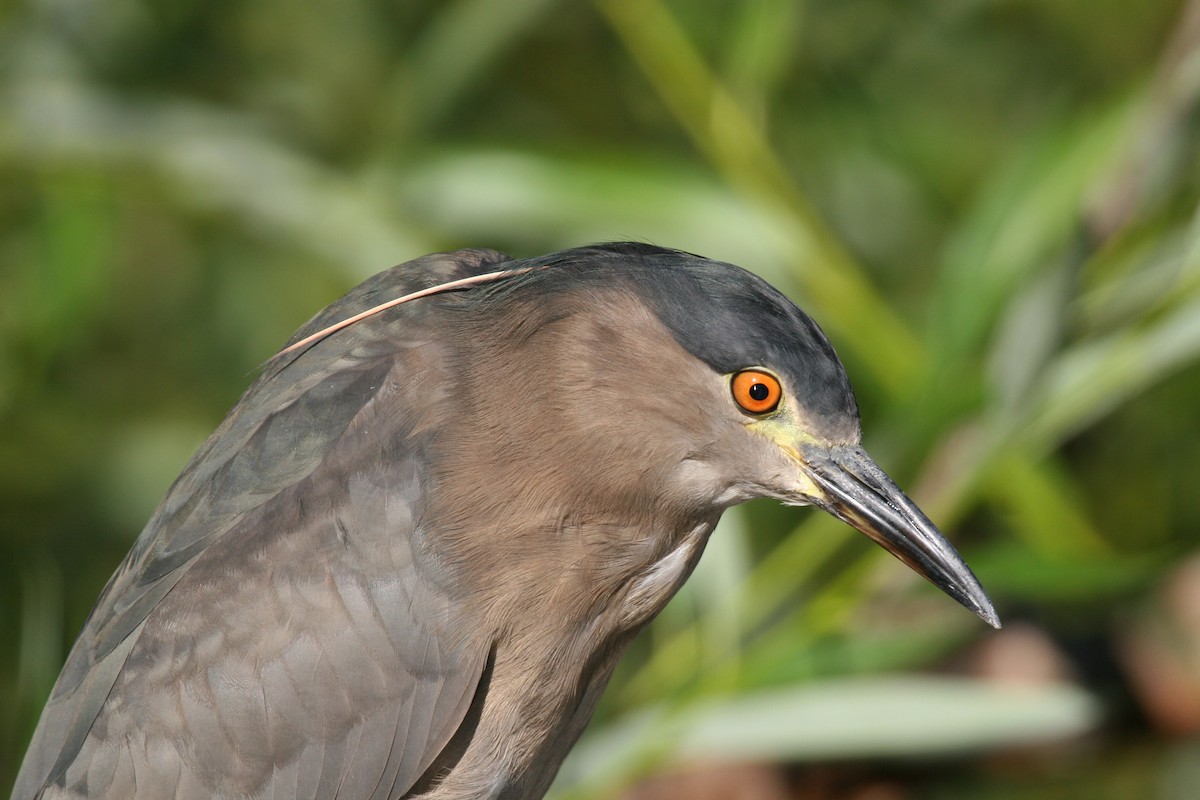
(279, 432)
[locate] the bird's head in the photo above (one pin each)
(612, 361)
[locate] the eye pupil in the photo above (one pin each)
(760, 392)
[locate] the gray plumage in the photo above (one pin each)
(407, 561)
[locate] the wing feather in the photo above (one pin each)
(275, 631)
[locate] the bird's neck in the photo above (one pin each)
(553, 657)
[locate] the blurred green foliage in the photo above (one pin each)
(990, 206)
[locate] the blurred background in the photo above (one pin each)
(989, 206)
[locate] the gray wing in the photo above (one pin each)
(276, 630)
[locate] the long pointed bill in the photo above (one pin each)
(852, 488)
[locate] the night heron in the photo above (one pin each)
(408, 560)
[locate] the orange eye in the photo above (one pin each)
(756, 392)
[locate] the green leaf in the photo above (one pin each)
(880, 717)
(1028, 214)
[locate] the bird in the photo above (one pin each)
(408, 560)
